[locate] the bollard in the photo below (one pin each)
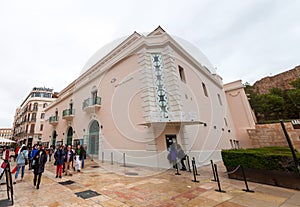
(195, 166)
(245, 180)
(124, 160)
(194, 172)
(188, 163)
(213, 169)
(102, 157)
(177, 172)
(218, 180)
(111, 158)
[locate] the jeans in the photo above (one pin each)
(82, 162)
(18, 170)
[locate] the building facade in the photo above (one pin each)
(30, 116)
(6, 133)
(138, 95)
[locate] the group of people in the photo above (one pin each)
(36, 158)
(176, 153)
(65, 157)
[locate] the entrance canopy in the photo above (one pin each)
(172, 123)
(4, 140)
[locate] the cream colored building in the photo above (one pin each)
(142, 92)
(6, 133)
(30, 116)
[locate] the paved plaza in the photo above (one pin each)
(104, 184)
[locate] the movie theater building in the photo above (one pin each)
(139, 94)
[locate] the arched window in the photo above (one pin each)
(35, 106)
(93, 140)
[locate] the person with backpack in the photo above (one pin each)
(21, 161)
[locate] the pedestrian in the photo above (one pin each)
(40, 159)
(59, 157)
(16, 152)
(182, 157)
(83, 154)
(29, 148)
(32, 154)
(21, 159)
(50, 152)
(78, 158)
(172, 156)
(68, 160)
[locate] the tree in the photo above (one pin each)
(269, 106)
(296, 83)
(294, 102)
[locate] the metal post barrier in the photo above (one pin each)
(194, 172)
(195, 166)
(218, 180)
(213, 169)
(245, 180)
(288, 139)
(177, 172)
(188, 163)
(124, 160)
(102, 157)
(111, 158)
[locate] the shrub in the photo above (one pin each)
(266, 158)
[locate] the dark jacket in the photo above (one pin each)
(59, 156)
(40, 161)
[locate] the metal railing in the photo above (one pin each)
(68, 112)
(53, 119)
(91, 102)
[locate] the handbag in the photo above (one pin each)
(26, 159)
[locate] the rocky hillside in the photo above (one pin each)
(281, 80)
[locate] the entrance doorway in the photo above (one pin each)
(69, 136)
(54, 138)
(170, 139)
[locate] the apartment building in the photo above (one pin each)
(30, 116)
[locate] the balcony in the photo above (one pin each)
(68, 114)
(91, 104)
(53, 120)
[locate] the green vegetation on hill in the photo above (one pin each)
(277, 104)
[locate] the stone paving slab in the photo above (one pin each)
(151, 187)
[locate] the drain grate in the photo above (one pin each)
(68, 182)
(131, 173)
(95, 166)
(87, 194)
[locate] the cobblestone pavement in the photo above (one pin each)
(104, 184)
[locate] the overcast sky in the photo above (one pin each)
(47, 43)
